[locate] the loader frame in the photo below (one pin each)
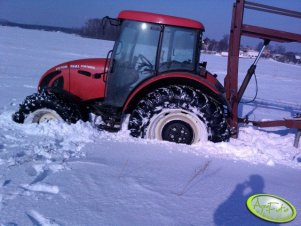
(239, 29)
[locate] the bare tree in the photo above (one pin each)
(223, 44)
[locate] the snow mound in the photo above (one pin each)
(39, 219)
(40, 187)
(256, 146)
(52, 144)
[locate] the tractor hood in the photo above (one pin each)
(84, 78)
(93, 65)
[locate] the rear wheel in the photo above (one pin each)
(179, 114)
(44, 107)
(176, 125)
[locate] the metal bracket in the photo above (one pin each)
(297, 138)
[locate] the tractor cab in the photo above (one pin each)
(149, 45)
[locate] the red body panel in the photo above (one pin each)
(160, 19)
(87, 85)
(209, 81)
(84, 87)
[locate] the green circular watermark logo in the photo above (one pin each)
(271, 208)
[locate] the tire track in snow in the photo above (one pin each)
(39, 220)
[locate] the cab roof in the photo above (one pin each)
(160, 19)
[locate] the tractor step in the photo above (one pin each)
(112, 129)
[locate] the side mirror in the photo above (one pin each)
(203, 64)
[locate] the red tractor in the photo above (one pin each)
(154, 75)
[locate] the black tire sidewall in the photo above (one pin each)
(45, 100)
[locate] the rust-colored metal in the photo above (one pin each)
(272, 9)
(289, 123)
(271, 34)
(239, 29)
(231, 79)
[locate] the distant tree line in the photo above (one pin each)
(212, 45)
(104, 28)
(107, 29)
(276, 52)
(40, 27)
(279, 53)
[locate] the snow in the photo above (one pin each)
(41, 188)
(59, 174)
(38, 219)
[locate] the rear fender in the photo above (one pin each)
(207, 84)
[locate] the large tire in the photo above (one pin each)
(179, 114)
(45, 106)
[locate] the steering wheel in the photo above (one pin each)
(145, 63)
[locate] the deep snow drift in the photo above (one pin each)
(59, 174)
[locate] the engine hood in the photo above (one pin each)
(84, 78)
(92, 64)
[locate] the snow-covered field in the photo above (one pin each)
(59, 174)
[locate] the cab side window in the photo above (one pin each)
(177, 52)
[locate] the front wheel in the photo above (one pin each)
(179, 114)
(44, 107)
